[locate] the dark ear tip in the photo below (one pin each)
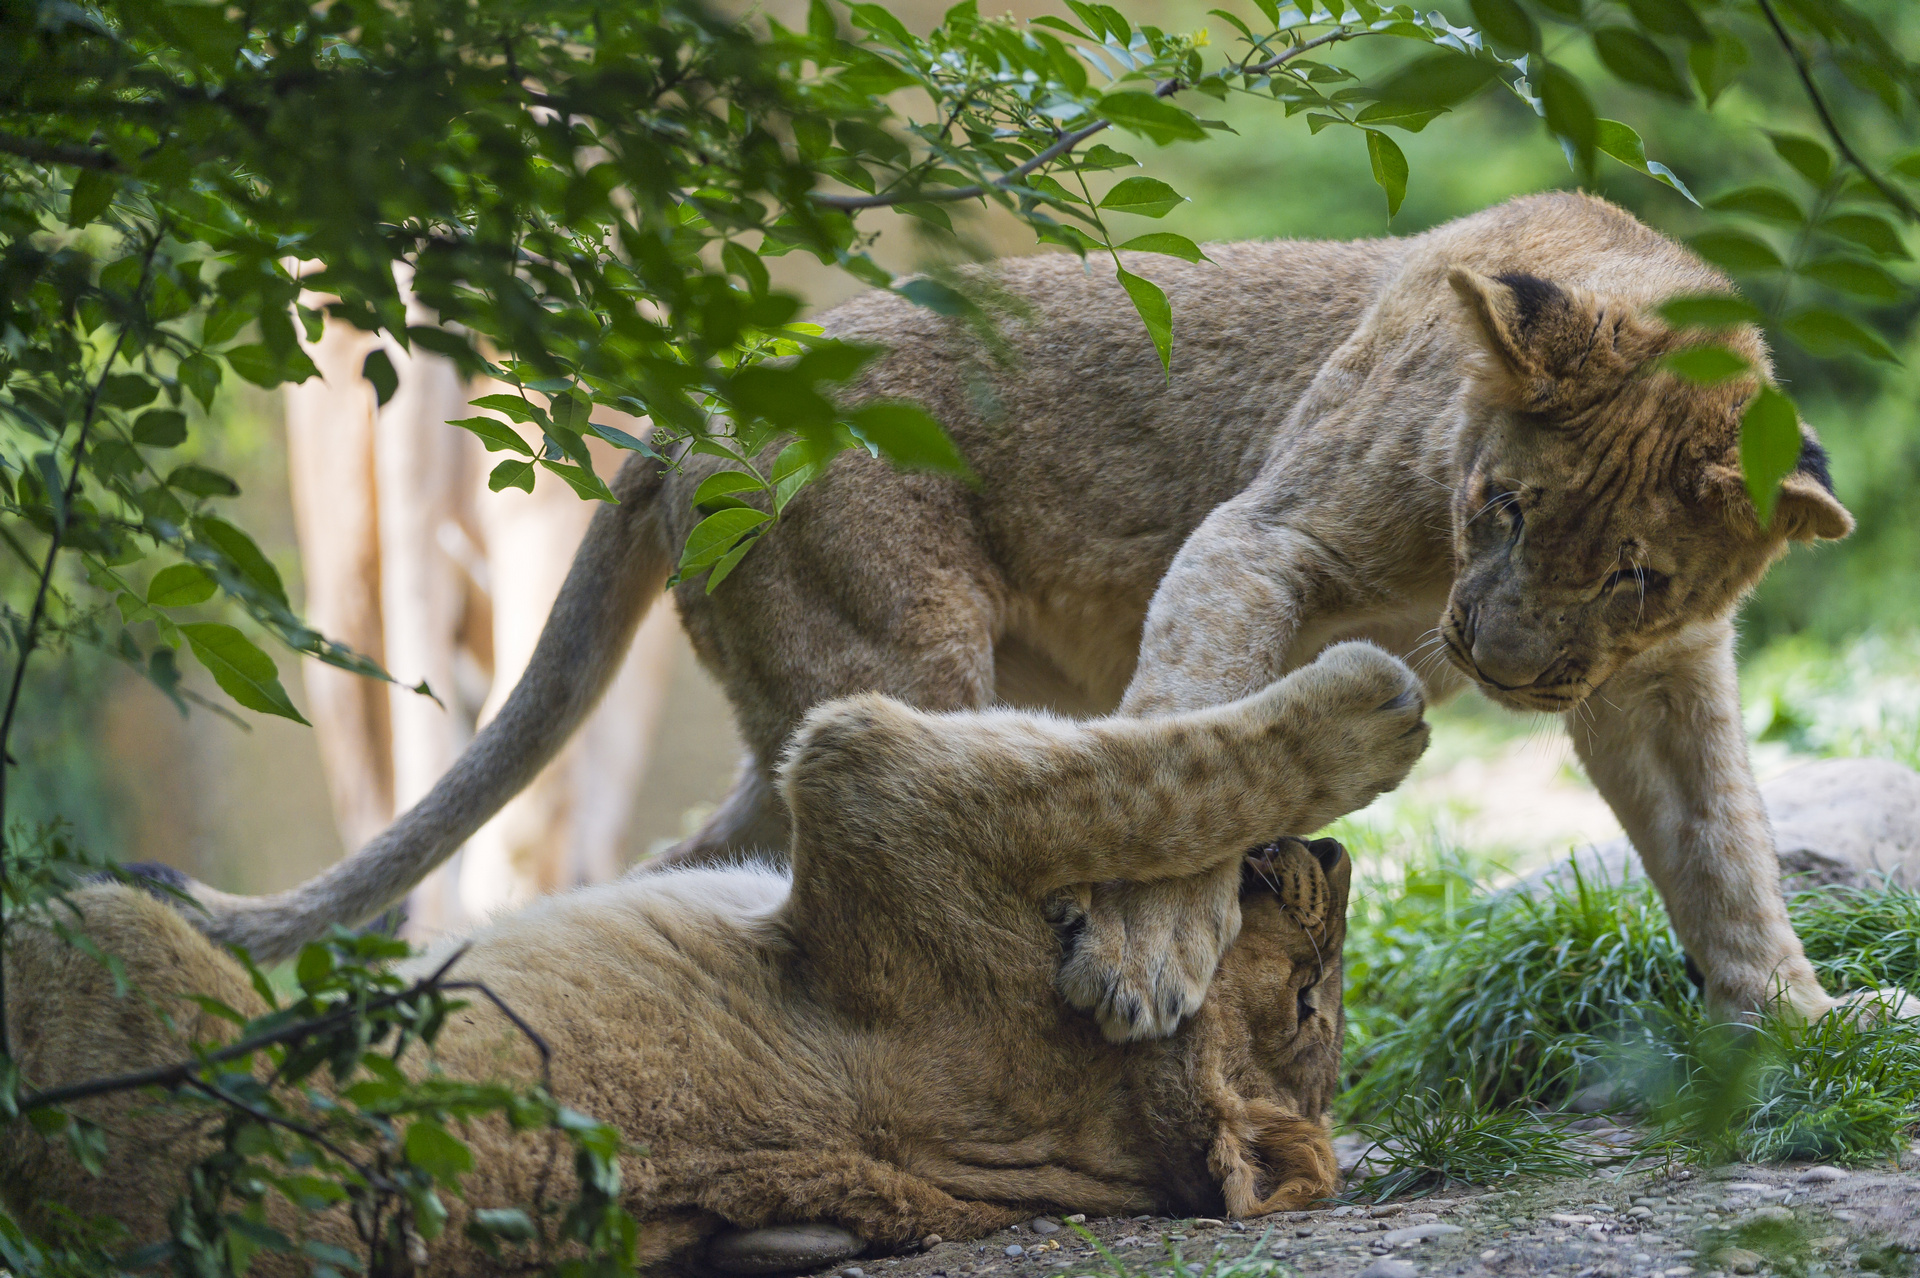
(1328, 852)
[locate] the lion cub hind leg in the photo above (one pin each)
(1147, 952)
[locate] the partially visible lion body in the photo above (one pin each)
(877, 1043)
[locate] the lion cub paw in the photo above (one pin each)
(1361, 713)
(1146, 952)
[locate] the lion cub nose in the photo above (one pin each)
(1513, 659)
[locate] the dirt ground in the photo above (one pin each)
(1659, 1222)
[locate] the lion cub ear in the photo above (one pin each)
(1547, 341)
(1807, 509)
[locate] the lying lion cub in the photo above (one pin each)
(878, 1043)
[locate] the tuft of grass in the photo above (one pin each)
(1529, 1000)
(1515, 1002)
(1835, 1090)
(1785, 1246)
(1432, 1141)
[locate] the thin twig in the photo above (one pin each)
(1065, 143)
(259, 1115)
(181, 1073)
(1893, 194)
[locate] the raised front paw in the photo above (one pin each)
(1145, 952)
(1355, 716)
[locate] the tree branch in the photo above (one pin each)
(181, 1073)
(1066, 143)
(84, 157)
(1893, 194)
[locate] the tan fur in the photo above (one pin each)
(879, 1044)
(1315, 470)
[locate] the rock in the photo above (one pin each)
(1566, 1218)
(1739, 1260)
(853, 1273)
(1846, 822)
(1419, 1233)
(931, 1241)
(1388, 1267)
(1078, 1218)
(1772, 1213)
(1016, 1250)
(1388, 1209)
(1044, 1226)
(781, 1249)
(1821, 1175)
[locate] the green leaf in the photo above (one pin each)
(909, 438)
(1709, 310)
(1103, 156)
(1151, 117)
(180, 586)
(1810, 159)
(1717, 65)
(510, 1222)
(1826, 332)
(1856, 276)
(1736, 251)
(92, 192)
(1389, 168)
(1670, 18)
(1568, 112)
(160, 428)
(1761, 201)
(436, 1151)
(1149, 197)
(243, 671)
(744, 262)
(240, 549)
(731, 560)
(1507, 25)
(715, 535)
(200, 373)
(377, 368)
(1437, 81)
(1638, 60)
(1875, 234)
(1155, 313)
(718, 488)
(257, 364)
(1166, 242)
(1769, 447)
(1623, 144)
(495, 434)
(1707, 364)
(201, 482)
(581, 480)
(128, 390)
(511, 474)
(514, 408)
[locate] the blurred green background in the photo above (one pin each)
(1829, 637)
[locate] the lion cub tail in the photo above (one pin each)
(620, 568)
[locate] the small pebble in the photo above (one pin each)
(1844, 1214)
(853, 1273)
(1303, 1232)
(1772, 1213)
(932, 1240)
(1564, 1218)
(1640, 1258)
(1078, 1218)
(1045, 1226)
(1489, 1256)
(1387, 1267)
(1208, 1221)
(1419, 1233)
(1821, 1175)
(1746, 1187)
(1013, 1249)
(1740, 1260)
(1389, 1209)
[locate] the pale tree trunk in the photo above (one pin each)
(451, 583)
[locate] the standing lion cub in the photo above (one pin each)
(1461, 445)
(875, 1043)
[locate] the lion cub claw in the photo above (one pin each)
(1345, 729)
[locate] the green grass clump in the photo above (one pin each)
(1433, 1141)
(1528, 1000)
(1516, 1003)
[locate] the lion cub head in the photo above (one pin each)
(1601, 507)
(1271, 1035)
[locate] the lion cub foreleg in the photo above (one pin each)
(1664, 743)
